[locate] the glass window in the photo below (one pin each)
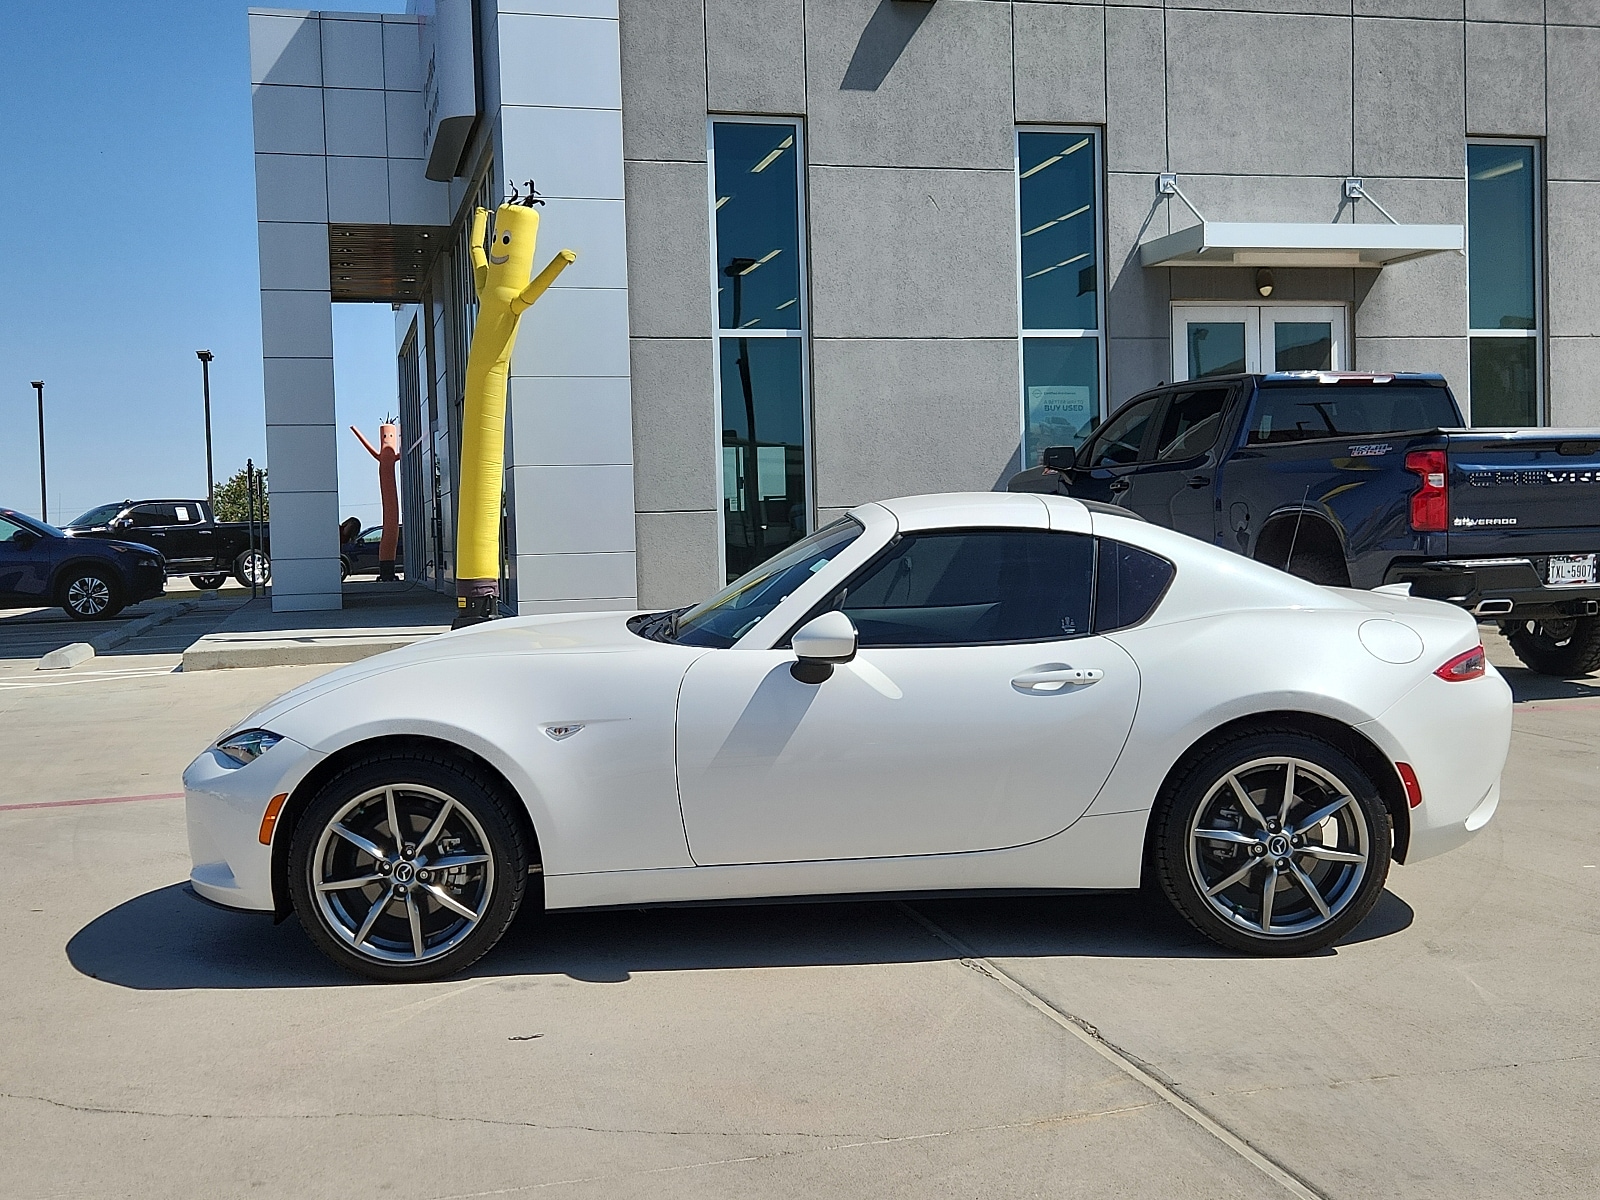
(1059, 228)
(96, 516)
(8, 531)
(761, 361)
(1503, 238)
(974, 587)
(1191, 425)
(152, 516)
(1302, 346)
(1120, 442)
(1302, 414)
(1129, 584)
(1216, 348)
(731, 613)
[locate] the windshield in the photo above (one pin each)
(1301, 414)
(95, 516)
(729, 615)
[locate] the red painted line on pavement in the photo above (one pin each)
(93, 800)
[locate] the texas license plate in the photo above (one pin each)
(1567, 570)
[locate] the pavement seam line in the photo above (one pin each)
(1123, 1061)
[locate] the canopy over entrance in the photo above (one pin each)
(1285, 244)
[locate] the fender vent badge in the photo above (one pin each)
(562, 732)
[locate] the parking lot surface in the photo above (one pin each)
(29, 634)
(1081, 1046)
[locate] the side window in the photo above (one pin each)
(8, 530)
(974, 587)
(372, 536)
(1131, 583)
(152, 516)
(1191, 425)
(1119, 442)
(185, 514)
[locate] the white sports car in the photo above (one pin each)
(972, 691)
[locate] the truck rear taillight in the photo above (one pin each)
(1471, 665)
(1430, 504)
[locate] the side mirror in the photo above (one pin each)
(23, 538)
(1060, 458)
(820, 643)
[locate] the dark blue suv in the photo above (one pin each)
(92, 580)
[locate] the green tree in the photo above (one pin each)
(232, 503)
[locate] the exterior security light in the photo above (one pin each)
(1265, 282)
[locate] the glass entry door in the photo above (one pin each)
(1221, 339)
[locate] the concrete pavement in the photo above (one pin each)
(153, 1046)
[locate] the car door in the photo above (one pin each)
(190, 539)
(1114, 453)
(151, 525)
(1176, 484)
(955, 728)
(25, 561)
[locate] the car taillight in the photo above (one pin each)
(1470, 665)
(1430, 504)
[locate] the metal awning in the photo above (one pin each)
(1282, 244)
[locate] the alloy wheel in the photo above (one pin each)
(1279, 847)
(89, 596)
(402, 874)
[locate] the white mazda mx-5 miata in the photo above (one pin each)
(969, 691)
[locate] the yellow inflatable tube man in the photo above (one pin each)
(504, 294)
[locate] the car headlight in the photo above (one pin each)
(148, 562)
(248, 745)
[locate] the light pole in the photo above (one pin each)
(44, 511)
(205, 357)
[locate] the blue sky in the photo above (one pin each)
(127, 228)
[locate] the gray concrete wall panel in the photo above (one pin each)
(1505, 80)
(1136, 303)
(301, 389)
(1313, 198)
(573, 152)
(285, 49)
(294, 257)
(1303, 99)
(1432, 10)
(910, 85)
(287, 120)
(1574, 91)
(1326, 8)
(1448, 356)
(1505, 10)
(291, 187)
(756, 56)
(1410, 119)
(677, 558)
(402, 57)
(1428, 296)
(566, 422)
(352, 51)
(1574, 263)
(663, 47)
(356, 122)
(1136, 90)
(1059, 67)
(358, 191)
(295, 325)
(1574, 366)
(1134, 364)
(913, 253)
(669, 253)
(900, 417)
(598, 228)
(564, 62)
(676, 433)
(1572, 12)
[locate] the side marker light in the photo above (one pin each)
(1413, 788)
(269, 819)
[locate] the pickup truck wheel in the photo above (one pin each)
(252, 568)
(89, 594)
(208, 583)
(1564, 648)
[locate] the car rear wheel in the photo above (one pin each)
(1273, 842)
(208, 583)
(253, 568)
(1564, 647)
(89, 594)
(408, 867)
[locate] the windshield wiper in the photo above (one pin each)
(659, 626)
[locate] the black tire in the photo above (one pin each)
(344, 568)
(243, 564)
(1256, 853)
(208, 583)
(90, 594)
(1564, 648)
(1320, 567)
(382, 945)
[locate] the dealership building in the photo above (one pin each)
(836, 250)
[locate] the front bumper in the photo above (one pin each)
(225, 804)
(1485, 585)
(148, 583)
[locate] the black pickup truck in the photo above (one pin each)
(190, 538)
(1364, 480)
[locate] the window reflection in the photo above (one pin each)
(1061, 389)
(1500, 238)
(758, 226)
(1060, 272)
(763, 449)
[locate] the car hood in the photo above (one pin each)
(85, 538)
(567, 633)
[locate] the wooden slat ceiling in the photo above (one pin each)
(382, 262)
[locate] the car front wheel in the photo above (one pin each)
(1273, 843)
(408, 867)
(90, 595)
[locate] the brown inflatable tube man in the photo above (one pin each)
(387, 454)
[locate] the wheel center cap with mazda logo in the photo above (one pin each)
(1277, 846)
(403, 872)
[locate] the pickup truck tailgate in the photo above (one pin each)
(1523, 492)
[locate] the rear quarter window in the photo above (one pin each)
(1129, 584)
(1303, 414)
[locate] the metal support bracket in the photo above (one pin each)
(1355, 188)
(1167, 185)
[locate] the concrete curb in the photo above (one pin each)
(284, 652)
(78, 652)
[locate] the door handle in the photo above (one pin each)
(1119, 486)
(1055, 679)
(1199, 481)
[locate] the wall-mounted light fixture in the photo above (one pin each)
(1265, 282)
